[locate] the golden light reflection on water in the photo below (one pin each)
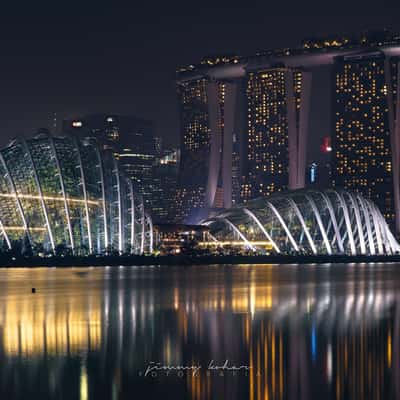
(35, 324)
(303, 338)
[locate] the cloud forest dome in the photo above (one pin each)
(62, 194)
(310, 221)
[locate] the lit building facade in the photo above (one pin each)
(208, 167)
(195, 146)
(62, 195)
(131, 141)
(165, 179)
(239, 122)
(271, 90)
(276, 131)
(364, 102)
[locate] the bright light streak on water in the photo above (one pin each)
(308, 333)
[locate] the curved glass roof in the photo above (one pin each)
(307, 221)
(62, 194)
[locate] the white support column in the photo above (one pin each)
(3, 231)
(85, 195)
(297, 126)
(382, 228)
(320, 224)
(347, 221)
(303, 224)
(282, 222)
(103, 193)
(132, 215)
(368, 224)
(358, 222)
(150, 233)
(120, 230)
(236, 229)
(214, 166)
(39, 189)
(334, 221)
(373, 212)
(393, 242)
(142, 222)
(66, 207)
(260, 225)
(229, 125)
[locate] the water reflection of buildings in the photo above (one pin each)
(60, 325)
(302, 341)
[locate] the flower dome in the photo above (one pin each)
(307, 221)
(62, 194)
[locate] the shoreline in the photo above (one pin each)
(186, 260)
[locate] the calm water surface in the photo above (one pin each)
(275, 332)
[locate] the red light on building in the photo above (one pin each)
(326, 145)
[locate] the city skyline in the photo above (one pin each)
(287, 89)
(265, 103)
(199, 201)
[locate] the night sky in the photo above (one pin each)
(74, 60)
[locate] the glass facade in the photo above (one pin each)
(267, 163)
(65, 196)
(307, 221)
(362, 142)
(195, 145)
(208, 172)
(129, 138)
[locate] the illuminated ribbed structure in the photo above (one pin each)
(307, 221)
(63, 195)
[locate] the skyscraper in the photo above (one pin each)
(364, 148)
(129, 138)
(207, 110)
(276, 131)
(246, 119)
(165, 177)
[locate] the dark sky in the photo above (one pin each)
(76, 59)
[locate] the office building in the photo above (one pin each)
(276, 131)
(263, 103)
(238, 127)
(131, 141)
(165, 179)
(207, 111)
(364, 105)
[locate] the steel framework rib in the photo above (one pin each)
(85, 195)
(66, 207)
(329, 205)
(132, 242)
(39, 189)
(320, 224)
(260, 225)
(19, 206)
(233, 226)
(303, 224)
(103, 193)
(282, 222)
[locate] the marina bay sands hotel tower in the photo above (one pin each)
(245, 123)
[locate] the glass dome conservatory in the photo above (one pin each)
(64, 195)
(307, 221)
